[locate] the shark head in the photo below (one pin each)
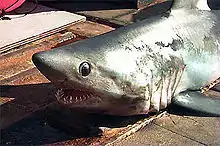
(86, 81)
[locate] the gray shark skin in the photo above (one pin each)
(142, 67)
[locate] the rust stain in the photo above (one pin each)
(93, 141)
(90, 29)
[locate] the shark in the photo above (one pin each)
(142, 67)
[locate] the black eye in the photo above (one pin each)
(84, 69)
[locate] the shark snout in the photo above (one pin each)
(51, 64)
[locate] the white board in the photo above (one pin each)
(43, 20)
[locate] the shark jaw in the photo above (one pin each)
(72, 97)
(92, 100)
(102, 103)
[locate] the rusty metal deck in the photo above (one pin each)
(31, 115)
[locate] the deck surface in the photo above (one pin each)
(31, 115)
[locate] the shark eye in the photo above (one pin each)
(84, 69)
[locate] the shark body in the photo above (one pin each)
(141, 67)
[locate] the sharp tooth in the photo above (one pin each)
(64, 99)
(85, 97)
(60, 91)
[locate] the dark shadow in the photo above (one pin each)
(49, 122)
(32, 130)
(90, 5)
(21, 91)
(25, 100)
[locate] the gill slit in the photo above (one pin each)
(168, 86)
(151, 87)
(178, 81)
(174, 82)
(161, 89)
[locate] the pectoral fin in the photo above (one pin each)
(198, 102)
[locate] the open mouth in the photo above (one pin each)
(73, 96)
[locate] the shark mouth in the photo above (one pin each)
(76, 97)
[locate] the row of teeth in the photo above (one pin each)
(69, 99)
